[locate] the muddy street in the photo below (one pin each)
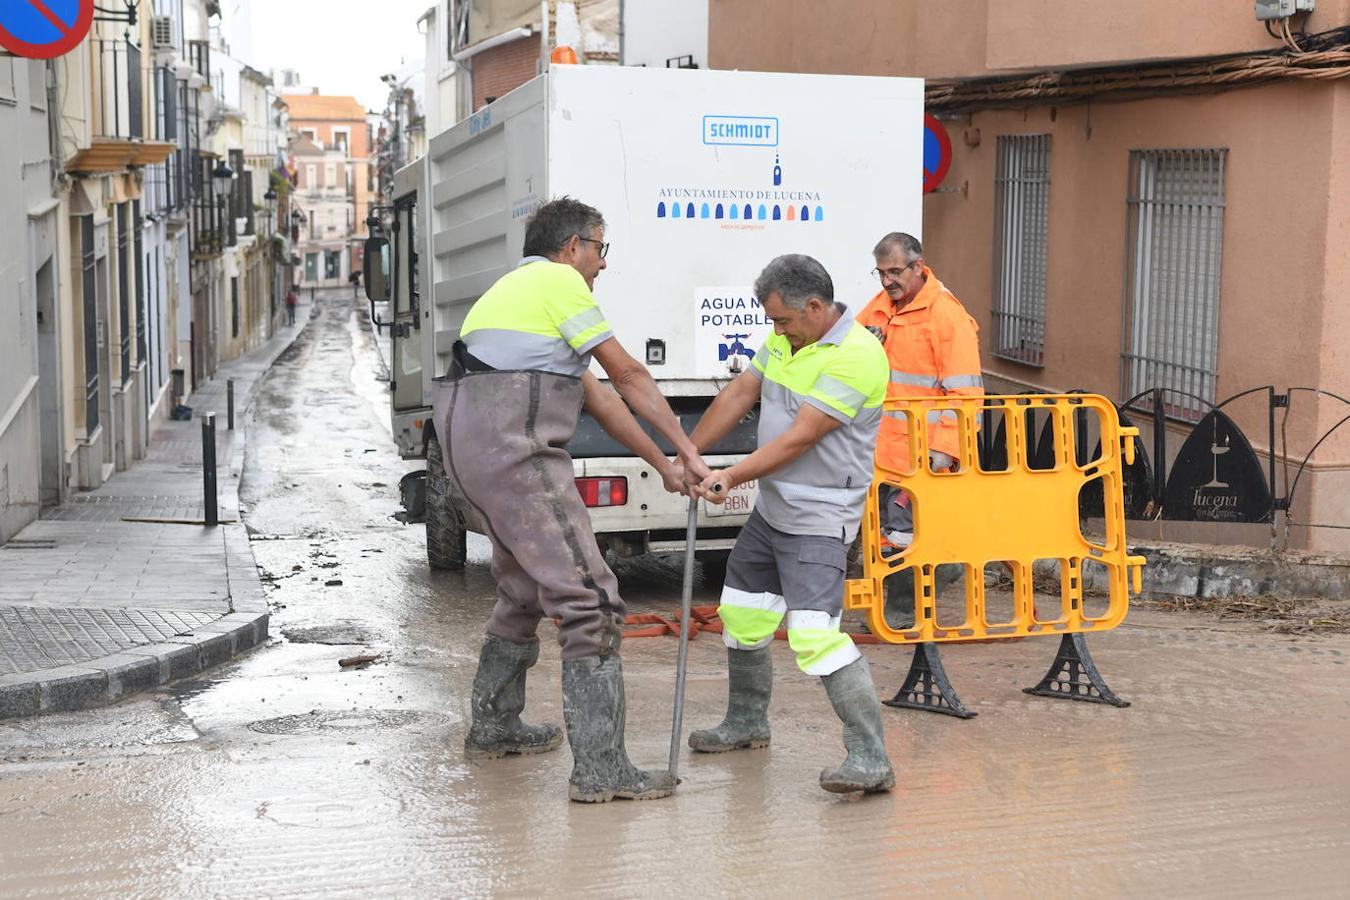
(283, 774)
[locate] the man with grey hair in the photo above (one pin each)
(820, 380)
(503, 415)
(932, 345)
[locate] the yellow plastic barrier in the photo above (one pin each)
(974, 517)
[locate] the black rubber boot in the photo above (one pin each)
(498, 698)
(854, 698)
(593, 708)
(899, 610)
(746, 724)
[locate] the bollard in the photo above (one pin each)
(209, 469)
(229, 404)
(311, 293)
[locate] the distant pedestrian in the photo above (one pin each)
(291, 300)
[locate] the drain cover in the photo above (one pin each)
(321, 720)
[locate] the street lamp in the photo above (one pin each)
(270, 198)
(221, 176)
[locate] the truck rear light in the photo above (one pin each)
(603, 491)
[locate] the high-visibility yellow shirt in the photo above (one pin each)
(844, 376)
(538, 317)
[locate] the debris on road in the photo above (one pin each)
(363, 659)
(1280, 615)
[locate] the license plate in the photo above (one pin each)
(739, 501)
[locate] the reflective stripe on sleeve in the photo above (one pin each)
(573, 329)
(845, 395)
(914, 379)
(953, 382)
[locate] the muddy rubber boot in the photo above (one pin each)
(854, 698)
(746, 724)
(899, 609)
(498, 698)
(594, 710)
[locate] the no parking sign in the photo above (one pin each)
(43, 29)
(937, 153)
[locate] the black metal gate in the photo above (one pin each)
(1216, 475)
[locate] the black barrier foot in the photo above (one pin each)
(1074, 676)
(926, 686)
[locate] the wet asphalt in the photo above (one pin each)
(283, 774)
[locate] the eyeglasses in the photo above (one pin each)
(603, 245)
(892, 274)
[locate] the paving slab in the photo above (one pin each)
(124, 588)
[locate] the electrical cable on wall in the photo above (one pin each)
(1321, 56)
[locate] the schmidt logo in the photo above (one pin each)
(741, 131)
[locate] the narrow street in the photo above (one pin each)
(283, 774)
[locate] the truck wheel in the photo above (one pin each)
(446, 538)
(714, 565)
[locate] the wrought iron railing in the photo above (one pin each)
(118, 89)
(208, 214)
(124, 284)
(199, 57)
(1215, 476)
(92, 342)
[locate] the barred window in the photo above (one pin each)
(1021, 221)
(1174, 241)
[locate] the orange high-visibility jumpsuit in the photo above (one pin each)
(933, 348)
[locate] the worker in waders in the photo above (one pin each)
(820, 381)
(932, 345)
(505, 411)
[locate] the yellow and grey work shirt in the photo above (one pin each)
(844, 375)
(539, 317)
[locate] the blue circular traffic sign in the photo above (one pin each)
(43, 29)
(937, 153)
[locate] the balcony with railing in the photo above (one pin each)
(118, 81)
(210, 232)
(199, 57)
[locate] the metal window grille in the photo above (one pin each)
(234, 307)
(89, 298)
(118, 90)
(1021, 218)
(1174, 241)
(138, 249)
(124, 291)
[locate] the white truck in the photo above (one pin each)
(703, 177)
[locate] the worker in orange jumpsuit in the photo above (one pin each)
(933, 347)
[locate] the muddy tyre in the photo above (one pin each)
(446, 538)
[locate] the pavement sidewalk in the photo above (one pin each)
(122, 589)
